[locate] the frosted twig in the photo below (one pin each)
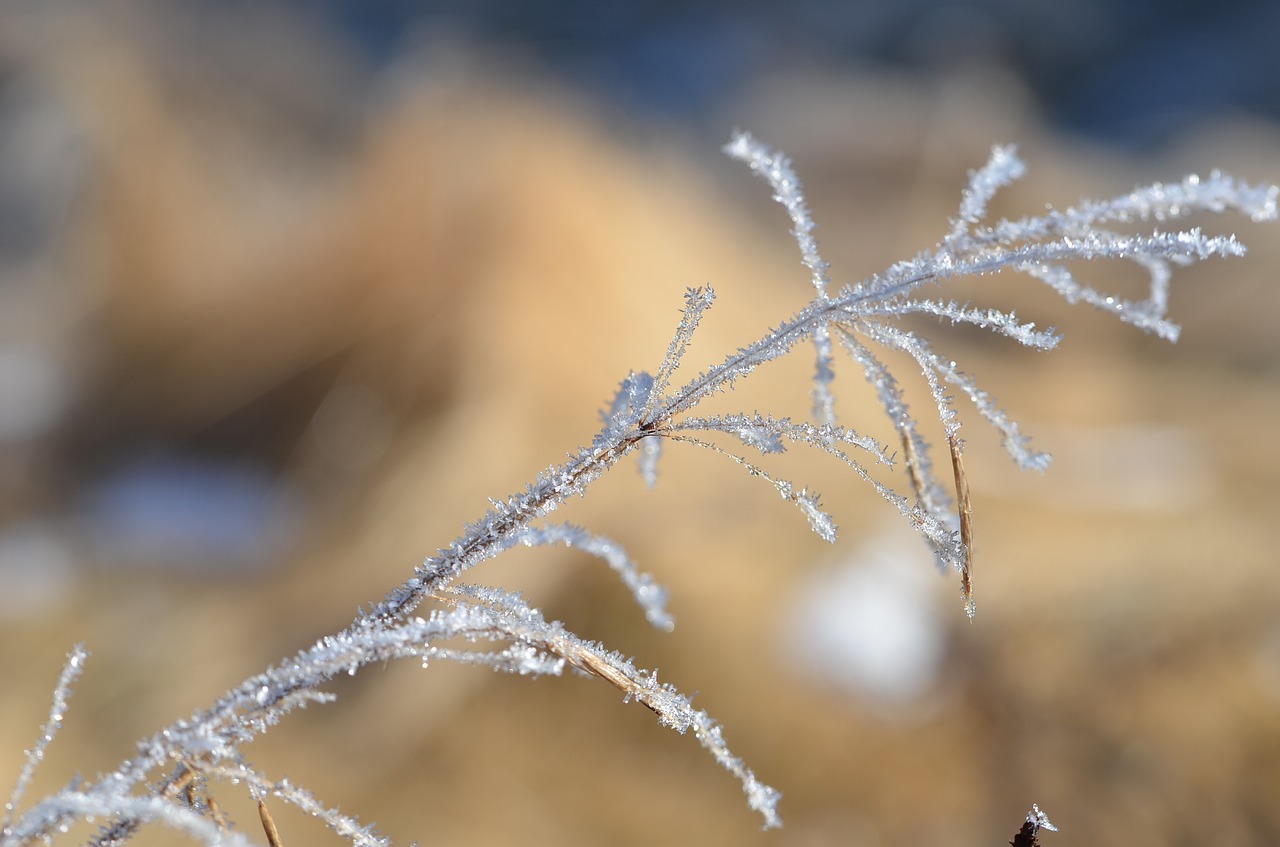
(776, 169)
(674, 710)
(503, 632)
(696, 303)
(57, 711)
(648, 594)
(51, 813)
(344, 826)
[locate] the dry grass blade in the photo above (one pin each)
(913, 460)
(268, 824)
(965, 509)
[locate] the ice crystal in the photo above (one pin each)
(1036, 821)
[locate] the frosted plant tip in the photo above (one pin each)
(1040, 819)
(1027, 835)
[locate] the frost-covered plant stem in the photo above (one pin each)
(167, 780)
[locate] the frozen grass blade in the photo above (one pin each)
(57, 712)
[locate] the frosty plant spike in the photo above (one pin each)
(170, 780)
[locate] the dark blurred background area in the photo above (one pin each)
(288, 290)
(1131, 74)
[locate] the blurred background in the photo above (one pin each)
(287, 290)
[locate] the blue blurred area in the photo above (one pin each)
(178, 511)
(1125, 73)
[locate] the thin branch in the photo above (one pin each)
(71, 671)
